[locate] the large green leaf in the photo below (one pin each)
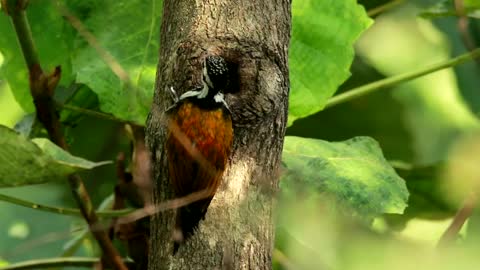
(321, 51)
(353, 172)
(128, 30)
(24, 162)
(53, 39)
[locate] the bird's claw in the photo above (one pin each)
(173, 93)
(174, 96)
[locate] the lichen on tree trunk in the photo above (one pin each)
(253, 35)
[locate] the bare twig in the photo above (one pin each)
(463, 22)
(149, 210)
(42, 88)
(462, 215)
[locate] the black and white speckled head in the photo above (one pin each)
(215, 73)
(215, 80)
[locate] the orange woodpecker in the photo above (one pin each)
(198, 144)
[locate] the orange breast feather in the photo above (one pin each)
(198, 147)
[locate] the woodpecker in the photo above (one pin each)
(198, 144)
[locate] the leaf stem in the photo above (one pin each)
(55, 262)
(401, 78)
(61, 210)
(385, 7)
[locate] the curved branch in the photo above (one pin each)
(459, 220)
(401, 78)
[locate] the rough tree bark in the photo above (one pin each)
(253, 35)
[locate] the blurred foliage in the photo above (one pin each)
(11, 111)
(466, 74)
(460, 176)
(435, 113)
(337, 123)
(409, 184)
(427, 197)
(447, 8)
(47, 232)
(418, 123)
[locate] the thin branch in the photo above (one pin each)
(42, 88)
(56, 262)
(61, 210)
(74, 244)
(462, 215)
(92, 113)
(394, 80)
(150, 210)
(127, 215)
(385, 7)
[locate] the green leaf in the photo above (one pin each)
(354, 172)
(53, 39)
(63, 157)
(446, 8)
(24, 162)
(128, 30)
(321, 51)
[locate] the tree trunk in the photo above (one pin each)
(252, 35)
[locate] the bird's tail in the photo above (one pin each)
(187, 221)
